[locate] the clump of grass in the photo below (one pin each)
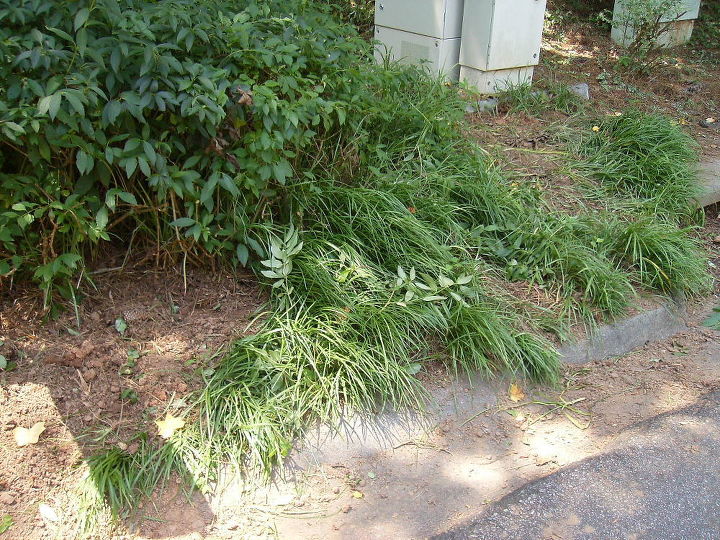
(480, 341)
(663, 256)
(647, 157)
(530, 100)
(303, 368)
(124, 477)
(550, 250)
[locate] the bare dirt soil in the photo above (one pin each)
(94, 385)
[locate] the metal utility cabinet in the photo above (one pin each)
(501, 42)
(679, 30)
(421, 31)
(489, 44)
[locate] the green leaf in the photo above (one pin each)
(713, 321)
(14, 127)
(5, 523)
(281, 171)
(130, 166)
(3, 362)
(413, 369)
(59, 33)
(115, 58)
(182, 222)
(54, 107)
(120, 325)
(43, 105)
(227, 183)
(81, 18)
(128, 198)
(81, 42)
(101, 218)
(149, 152)
(75, 103)
(112, 111)
(144, 167)
(84, 162)
(243, 254)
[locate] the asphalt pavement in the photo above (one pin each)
(660, 479)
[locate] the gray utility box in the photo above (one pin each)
(415, 31)
(680, 23)
(501, 42)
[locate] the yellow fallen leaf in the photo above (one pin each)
(167, 427)
(516, 394)
(24, 436)
(357, 495)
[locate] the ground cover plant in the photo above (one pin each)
(645, 157)
(264, 133)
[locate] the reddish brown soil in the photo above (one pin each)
(83, 383)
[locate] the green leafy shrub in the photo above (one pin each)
(643, 26)
(172, 123)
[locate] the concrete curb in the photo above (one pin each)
(628, 334)
(710, 178)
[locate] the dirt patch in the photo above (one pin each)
(103, 382)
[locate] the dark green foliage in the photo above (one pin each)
(359, 13)
(583, 8)
(183, 116)
(646, 157)
(707, 29)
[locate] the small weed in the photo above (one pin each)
(5, 523)
(713, 320)
(129, 395)
(120, 325)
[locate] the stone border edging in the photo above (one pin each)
(628, 334)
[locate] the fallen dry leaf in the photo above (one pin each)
(48, 512)
(357, 495)
(516, 394)
(167, 427)
(24, 436)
